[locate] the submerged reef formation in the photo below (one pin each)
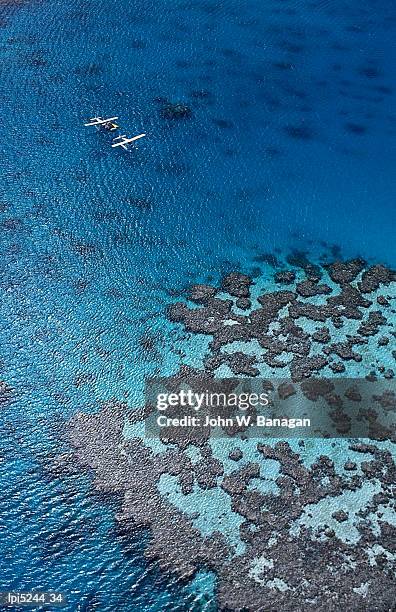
(281, 525)
(175, 110)
(6, 393)
(276, 557)
(326, 316)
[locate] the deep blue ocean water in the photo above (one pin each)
(291, 142)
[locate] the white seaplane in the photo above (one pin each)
(123, 141)
(107, 124)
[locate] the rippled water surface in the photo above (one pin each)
(290, 141)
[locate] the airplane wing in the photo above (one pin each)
(136, 137)
(93, 121)
(99, 121)
(126, 141)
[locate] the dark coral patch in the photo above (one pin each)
(376, 276)
(200, 94)
(286, 277)
(176, 110)
(309, 288)
(283, 65)
(371, 72)
(223, 123)
(342, 272)
(355, 128)
(299, 132)
(6, 393)
(268, 258)
(237, 284)
(201, 293)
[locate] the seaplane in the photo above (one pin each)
(123, 141)
(107, 124)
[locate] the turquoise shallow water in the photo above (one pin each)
(291, 140)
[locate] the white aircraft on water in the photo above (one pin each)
(110, 125)
(107, 124)
(123, 141)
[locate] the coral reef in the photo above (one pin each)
(324, 536)
(280, 321)
(176, 110)
(282, 559)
